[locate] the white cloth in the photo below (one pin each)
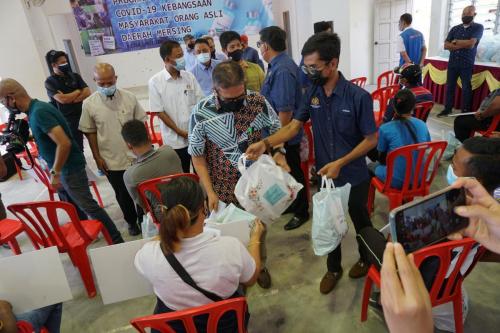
(106, 116)
(176, 98)
(216, 263)
(400, 47)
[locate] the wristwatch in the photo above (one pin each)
(281, 150)
(54, 172)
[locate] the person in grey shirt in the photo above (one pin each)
(150, 162)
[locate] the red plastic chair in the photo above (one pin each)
(44, 177)
(73, 237)
(422, 110)
(152, 186)
(452, 287)
(18, 169)
(25, 327)
(426, 156)
(386, 79)
(306, 165)
(150, 126)
(214, 310)
(9, 229)
(382, 96)
(359, 81)
(493, 127)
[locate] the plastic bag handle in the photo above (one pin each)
(327, 183)
(242, 162)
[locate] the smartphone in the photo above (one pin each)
(423, 222)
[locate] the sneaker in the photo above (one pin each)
(359, 270)
(264, 279)
(133, 230)
(329, 281)
(295, 222)
(444, 113)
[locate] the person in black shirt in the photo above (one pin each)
(66, 91)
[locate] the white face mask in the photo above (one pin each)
(203, 58)
(450, 175)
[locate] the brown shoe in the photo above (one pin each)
(264, 279)
(359, 270)
(329, 281)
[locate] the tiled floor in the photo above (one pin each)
(294, 303)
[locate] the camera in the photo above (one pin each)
(16, 134)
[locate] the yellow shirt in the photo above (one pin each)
(254, 75)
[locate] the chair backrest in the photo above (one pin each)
(419, 159)
(42, 222)
(444, 289)
(42, 174)
(382, 96)
(214, 310)
(388, 78)
(359, 81)
(310, 142)
(25, 327)
(422, 110)
(152, 186)
(150, 126)
(494, 125)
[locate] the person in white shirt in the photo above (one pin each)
(173, 92)
(218, 264)
(189, 51)
(213, 52)
(103, 115)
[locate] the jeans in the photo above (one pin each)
(465, 75)
(360, 218)
(123, 198)
(76, 184)
(464, 125)
(300, 207)
(64, 196)
(185, 159)
(48, 317)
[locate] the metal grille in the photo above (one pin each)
(488, 14)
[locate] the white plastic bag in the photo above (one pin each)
(265, 189)
(329, 222)
(148, 227)
(444, 318)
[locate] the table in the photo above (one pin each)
(486, 78)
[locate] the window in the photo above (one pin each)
(488, 14)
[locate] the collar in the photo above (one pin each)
(408, 27)
(341, 85)
(146, 155)
(206, 68)
(197, 241)
(169, 77)
(31, 105)
(277, 59)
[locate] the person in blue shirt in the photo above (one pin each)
(249, 53)
(189, 51)
(411, 43)
(403, 130)
(462, 41)
(205, 65)
(59, 149)
(282, 89)
(344, 132)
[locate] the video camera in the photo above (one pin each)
(16, 134)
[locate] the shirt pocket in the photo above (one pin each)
(190, 97)
(346, 122)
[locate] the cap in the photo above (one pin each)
(244, 39)
(410, 71)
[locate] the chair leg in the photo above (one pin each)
(79, 254)
(371, 199)
(19, 172)
(366, 297)
(14, 246)
(97, 194)
(395, 201)
(457, 314)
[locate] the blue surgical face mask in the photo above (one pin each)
(450, 175)
(203, 58)
(107, 91)
(180, 64)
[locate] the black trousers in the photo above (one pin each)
(125, 202)
(300, 207)
(464, 125)
(185, 159)
(360, 218)
(64, 196)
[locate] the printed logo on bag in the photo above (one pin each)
(274, 194)
(315, 102)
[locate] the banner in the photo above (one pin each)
(113, 26)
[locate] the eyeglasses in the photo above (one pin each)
(311, 70)
(234, 99)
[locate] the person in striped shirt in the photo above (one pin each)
(410, 79)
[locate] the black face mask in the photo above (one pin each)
(231, 106)
(317, 79)
(467, 19)
(64, 68)
(236, 55)
(191, 46)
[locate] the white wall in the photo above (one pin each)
(439, 19)
(361, 36)
(19, 56)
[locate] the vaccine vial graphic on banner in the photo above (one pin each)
(113, 26)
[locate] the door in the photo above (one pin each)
(386, 33)
(286, 25)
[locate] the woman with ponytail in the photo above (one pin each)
(216, 264)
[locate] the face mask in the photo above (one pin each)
(317, 79)
(236, 55)
(107, 91)
(180, 64)
(467, 19)
(450, 175)
(232, 106)
(203, 57)
(64, 68)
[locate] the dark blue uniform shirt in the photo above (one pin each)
(464, 57)
(339, 123)
(282, 87)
